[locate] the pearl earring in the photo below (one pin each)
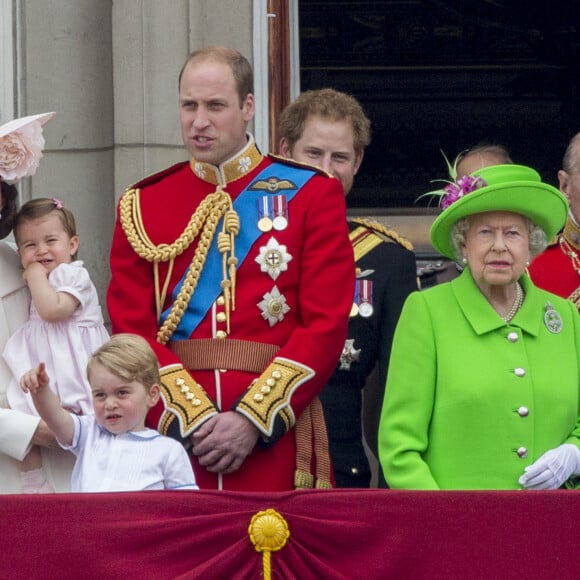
(464, 260)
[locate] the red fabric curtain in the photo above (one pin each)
(338, 534)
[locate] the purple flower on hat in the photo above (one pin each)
(455, 191)
(455, 188)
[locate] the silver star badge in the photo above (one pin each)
(273, 258)
(349, 355)
(244, 163)
(273, 306)
(199, 170)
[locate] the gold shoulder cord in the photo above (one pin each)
(203, 223)
(575, 298)
(374, 225)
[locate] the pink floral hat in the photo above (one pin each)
(21, 145)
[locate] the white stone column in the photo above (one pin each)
(66, 66)
(151, 40)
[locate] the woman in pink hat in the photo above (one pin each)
(21, 144)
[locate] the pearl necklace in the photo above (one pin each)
(516, 305)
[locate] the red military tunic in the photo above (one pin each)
(558, 268)
(270, 356)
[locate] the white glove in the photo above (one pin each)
(553, 468)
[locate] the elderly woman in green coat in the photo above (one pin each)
(484, 379)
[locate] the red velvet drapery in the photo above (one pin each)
(338, 534)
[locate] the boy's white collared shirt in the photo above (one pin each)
(133, 461)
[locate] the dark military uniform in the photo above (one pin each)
(386, 274)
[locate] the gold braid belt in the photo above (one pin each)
(203, 224)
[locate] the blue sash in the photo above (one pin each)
(246, 204)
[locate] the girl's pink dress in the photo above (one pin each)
(65, 347)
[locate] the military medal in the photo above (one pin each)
(349, 355)
(552, 319)
(280, 221)
(264, 221)
(273, 258)
(365, 308)
(273, 306)
(265, 224)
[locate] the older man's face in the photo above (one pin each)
(570, 187)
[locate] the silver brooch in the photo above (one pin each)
(273, 258)
(552, 319)
(273, 306)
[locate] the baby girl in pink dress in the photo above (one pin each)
(65, 325)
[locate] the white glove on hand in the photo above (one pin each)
(553, 468)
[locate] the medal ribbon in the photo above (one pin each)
(367, 291)
(264, 207)
(280, 206)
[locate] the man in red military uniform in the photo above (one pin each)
(558, 268)
(229, 264)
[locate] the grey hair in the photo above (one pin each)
(537, 239)
(570, 161)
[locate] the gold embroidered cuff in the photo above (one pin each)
(269, 396)
(165, 422)
(185, 399)
(287, 417)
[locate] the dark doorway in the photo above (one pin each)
(445, 75)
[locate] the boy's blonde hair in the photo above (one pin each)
(129, 357)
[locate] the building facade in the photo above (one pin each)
(109, 70)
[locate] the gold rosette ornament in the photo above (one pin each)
(268, 532)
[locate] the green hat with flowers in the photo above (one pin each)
(513, 188)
